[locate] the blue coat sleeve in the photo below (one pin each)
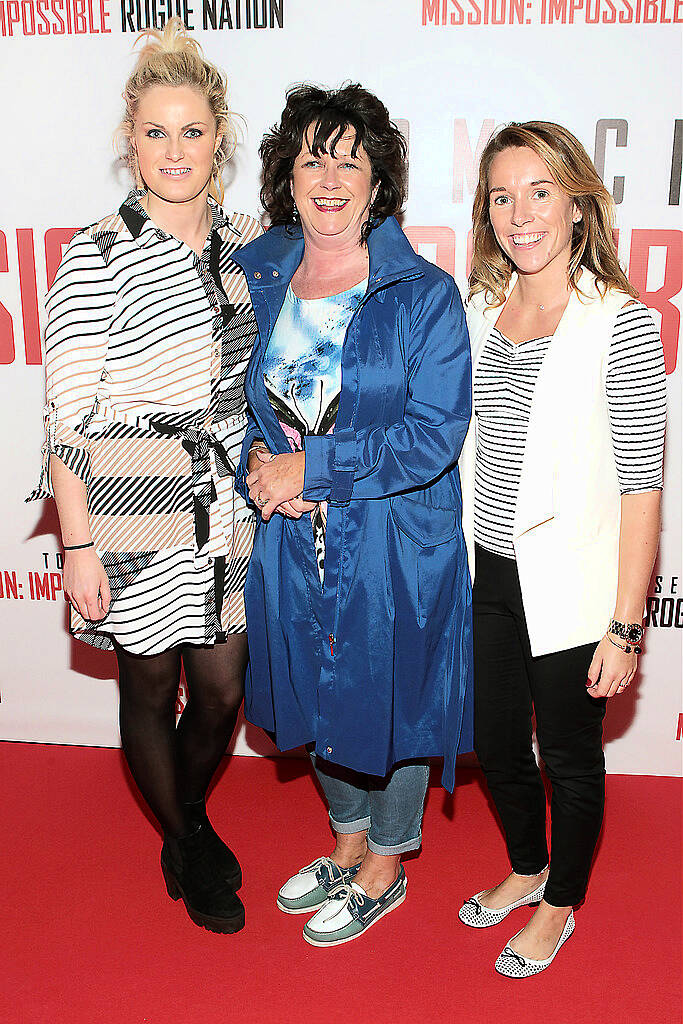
(253, 433)
(375, 462)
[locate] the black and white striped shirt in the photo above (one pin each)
(504, 385)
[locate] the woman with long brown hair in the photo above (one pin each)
(562, 477)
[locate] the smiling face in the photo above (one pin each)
(175, 139)
(531, 216)
(333, 193)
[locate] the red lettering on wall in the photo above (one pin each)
(679, 730)
(430, 12)
(642, 241)
(442, 238)
(55, 585)
(55, 240)
(42, 583)
(6, 327)
(29, 295)
(465, 164)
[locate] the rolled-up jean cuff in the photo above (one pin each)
(346, 828)
(389, 851)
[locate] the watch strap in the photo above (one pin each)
(631, 631)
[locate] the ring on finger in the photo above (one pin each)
(260, 501)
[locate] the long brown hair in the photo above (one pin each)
(570, 166)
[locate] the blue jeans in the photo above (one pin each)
(390, 808)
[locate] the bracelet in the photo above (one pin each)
(78, 547)
(631, 632)
(625, 647)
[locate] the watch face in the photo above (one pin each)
(635, 632)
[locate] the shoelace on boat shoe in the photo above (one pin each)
(321, 865)
(349, 897)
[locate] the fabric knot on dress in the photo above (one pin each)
(199, 442)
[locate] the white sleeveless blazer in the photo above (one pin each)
(566, 529)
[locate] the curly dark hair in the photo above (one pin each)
(332, 112)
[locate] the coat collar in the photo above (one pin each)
(144, 231)
(273, 258)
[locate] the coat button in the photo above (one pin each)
(328, 750)
(257, 275)
(276, 273)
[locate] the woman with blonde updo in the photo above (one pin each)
(149, 332)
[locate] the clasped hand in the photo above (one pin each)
(275, 483)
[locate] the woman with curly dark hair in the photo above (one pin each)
(358, 593)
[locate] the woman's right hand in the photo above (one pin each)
(86, 585)
(293, 509)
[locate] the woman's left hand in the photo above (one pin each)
(611, 669)
(277, 479)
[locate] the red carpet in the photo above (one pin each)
(90, 935)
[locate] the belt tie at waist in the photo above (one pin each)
(198, 443)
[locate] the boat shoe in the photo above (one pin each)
(309, 888)
(349, 912)
(514, 965)
(474, 914)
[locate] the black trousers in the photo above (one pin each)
(509, 685)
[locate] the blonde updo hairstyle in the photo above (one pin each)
(572, 169)
(172, 57)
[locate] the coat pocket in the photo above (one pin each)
(427, 525)
(428, 560)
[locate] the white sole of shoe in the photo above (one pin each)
(352, 938)
(303, 910)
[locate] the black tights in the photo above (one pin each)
(174, 766)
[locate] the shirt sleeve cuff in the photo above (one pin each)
(330, 464)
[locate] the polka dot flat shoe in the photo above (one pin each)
(514, 965)
(475, 915)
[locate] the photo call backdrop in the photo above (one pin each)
(449, 72)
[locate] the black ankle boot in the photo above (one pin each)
(227, 865)
(190, 874)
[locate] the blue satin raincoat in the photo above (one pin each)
(375, 666)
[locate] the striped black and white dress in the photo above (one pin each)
(146, 348)
(504, 383)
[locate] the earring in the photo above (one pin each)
(139, 183)
(295, 212)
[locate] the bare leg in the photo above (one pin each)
(511, 889)
(541, 934)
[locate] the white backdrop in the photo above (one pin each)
(610, 71)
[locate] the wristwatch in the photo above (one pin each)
(632, 632)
